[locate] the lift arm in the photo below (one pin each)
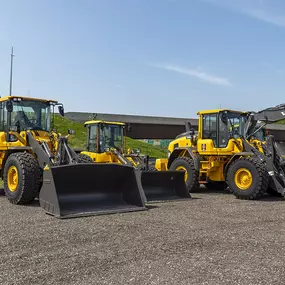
(267, 116)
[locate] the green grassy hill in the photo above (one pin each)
(79, 139)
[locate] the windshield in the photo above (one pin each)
(33, 115)
(231, 125)
(110, 136)
(236, 124)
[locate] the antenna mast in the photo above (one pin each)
(11, 72)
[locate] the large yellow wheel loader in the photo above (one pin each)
(226, 152)
(106, 144)
(37, 162)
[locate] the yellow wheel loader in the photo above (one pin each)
(36, 161)
(226, 152)
(106, 144)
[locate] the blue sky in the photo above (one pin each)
(148, 57)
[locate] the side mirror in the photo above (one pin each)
(61, 110)
(129, 128)
(71, 132)
(9, 106)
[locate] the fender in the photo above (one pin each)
(236, 156)
(176, 153)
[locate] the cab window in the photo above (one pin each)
(210, 127)
(92, 138)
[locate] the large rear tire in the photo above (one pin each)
(247, 178)
(191, 177)
(22, 178)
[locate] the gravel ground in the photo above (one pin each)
(211, 239)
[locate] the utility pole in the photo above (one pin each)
(11, 72)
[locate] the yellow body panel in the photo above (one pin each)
(213, 167)
(6, 98)
(206, 147)
(215, 111)
(94, 122)
(161, 164)
(105, 157)
(180, 142)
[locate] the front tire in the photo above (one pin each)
(191, 177)
(247, 178)
(22, 178)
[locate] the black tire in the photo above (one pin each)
(29, 178)
(216, 185)
(259, 180)
(192, 183)
(83, 158)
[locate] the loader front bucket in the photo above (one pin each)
(90, 189)
(164, 185)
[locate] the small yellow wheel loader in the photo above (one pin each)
(106, 144)
(227, 152)
(37, 162)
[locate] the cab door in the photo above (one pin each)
(208, 125)
(214, 134)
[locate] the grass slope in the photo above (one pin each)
(79, 139)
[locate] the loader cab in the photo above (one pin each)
(103, 135)
(217, 127)
(18, 114)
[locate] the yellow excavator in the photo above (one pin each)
(106, 143)
(226, 152)
(36, 161)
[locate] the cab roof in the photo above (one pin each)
(214, 111)
(96, 122)
(6, 98)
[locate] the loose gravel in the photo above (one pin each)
(212, 239)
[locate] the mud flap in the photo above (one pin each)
(164, 185)
(78, 190)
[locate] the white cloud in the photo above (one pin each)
(213, 79)
(262, 10)
(263, 15)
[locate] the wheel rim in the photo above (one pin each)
(243, 178)
(13, 179)
(179, 168)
